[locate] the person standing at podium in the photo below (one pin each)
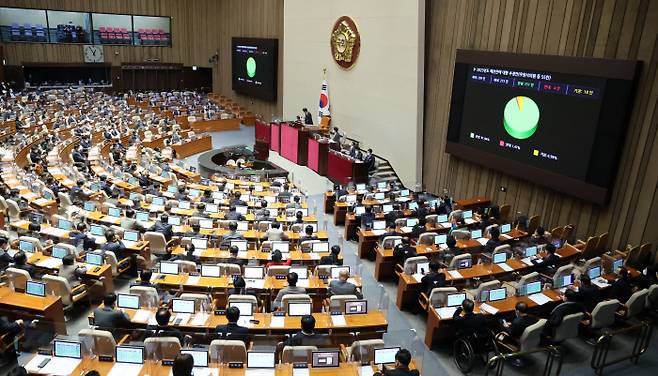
(308, 118)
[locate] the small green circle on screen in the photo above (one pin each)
(521, 117)
(251, 67)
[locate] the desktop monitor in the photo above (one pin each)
(174, 221)
(254, 272)
(212, 208)
(65, 224)
(184, 205)
(36, 218)
(94, 258)
(422, 267)
(129, 301)
(133, 196)
(67, 349)
(168, 268)
(158, 201)
(387, 208)
(386, 355)
(356, 307)
(301, 271)
(172, 189)
(335, 271)
(114, 212)
(532, 288)
(246, 308)
(218, 195)
(299, 308)
(497, 294)
(59, 252)
(142, 216)
(206, 223)
(210, 270)
(566, 280)
(594, 272)
(381, 185)
(325, 359)
(455, 300)
(530, 251)
(97, 230)
(241, 244)
(500, 258)
(94, 187)
(35, 288)
(464, 263)
(200, 357)
(25, 246)
(380, 196)
(243, 226)
(260, 359)
(200, 243)
(321, 247)
(132, 236)
(476, 234)
(440, 239)
(283, 247)
(617, 264)
(182, 305)
(358, 210)
(89, 206)
(350, 198)
(194, 193)
(379, 225)
(245, 197)
(411, 222)
(413, 205)
(361, 187)
(242, 209)
(442, 218)
(504, 229)
(129, 354)
(404, 193)
(467, 214)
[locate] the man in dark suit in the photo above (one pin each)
(494, 241)
(566, 308)
(393, 215)
(144, 279)
(307, 336)
(20, 262)
(402, 361)
(588, 295)
(433, 279)
(333, 257)
(403, 251)
(550, 260)
(342, 286)
(308, 118)
(421, 212)
(369, 160)
(367, 218)
(77, 194)
(162, 329)
(469, 323)
(232, 329)
(308, 235)
(236, 200)
(163, 227)
(622, 288)
(521, 321)
(110, 317)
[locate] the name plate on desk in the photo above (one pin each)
(235, 365)
(280, 276)
(105, 358)
(220, 312)
(167, 362)
(278, 313)
(299, 365)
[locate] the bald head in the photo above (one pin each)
(344, 275)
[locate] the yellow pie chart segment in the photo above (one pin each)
(521, 117)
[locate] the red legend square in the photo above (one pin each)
(502, 143)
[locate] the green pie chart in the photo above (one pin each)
(521, 117)
(251, 67)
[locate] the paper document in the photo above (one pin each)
(193, 280)
(301, 372)
(50, 263)
(277, 322)
(406, 229)
(125, 369)
(338, 320)
(505, 236)
(200, 319)
(540, 298)
(142, 315)
(378, 232)
(600, 282)
(455, 274)
(489, 309)
(366, 371)
(244, 321)
(56, 366)
(469, 221)
(446, 312)
(482, 241)
(445, 224)
(527, 261)
(417, 277)
(505, 267)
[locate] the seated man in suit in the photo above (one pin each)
(550, 260)
(622, 289)
(113, 244)
(20, 262)
(494, 241)
(130, 223)
(233, 215)
(433, 279)
(367, 218)
(342, 286)
(333, 257)
(568, 307)
(234, 259)
(588, 294)
(402, 361)
(162, 329)
(521, 321)
(308, 234)
(108, 316)
(470, 323)
(274, 233)
(70, 271)
(9, 330)
(231, 330)
(145, 276)
(232, 234)
(403, 251)
(162, 226)
(290, 289)
(307, 336)
(393, 215)
(5, 258)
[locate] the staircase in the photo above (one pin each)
(385, 171)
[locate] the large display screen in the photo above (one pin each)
(553, 120)
(255, 67)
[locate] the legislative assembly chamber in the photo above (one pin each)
(345, 187)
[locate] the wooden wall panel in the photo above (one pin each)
(199, 28)
(617, 29)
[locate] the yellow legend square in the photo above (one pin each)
(535, 152)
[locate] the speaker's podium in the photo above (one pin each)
(342, 169)
(293, 144)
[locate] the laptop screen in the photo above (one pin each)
(442, 218)
(253, 272)
(567, 280)
(97, 230)
(335, 271)
(358, 210)
(504, 229)
(246, 308)
(299, 308)
(174, 221)
(497, 294)
(158, 201)
(142, 216)
(194, 193)
(64, 224)
(130, 354)
(133, 196)
(283, 247)
(94, 259)
(200, 357)
(468, 214)
(35, 288)
(464, 263)
(114, 212)
(243, 226)
(356, 307)
(67, 349)
(210, 270)
(532, 288)
(422, 267)
(413, 205)
(360, 187)
(350, 198)
(89, 206)
(128, 301)
(206, 223)
(386, 355)
(212, 208)
(132, 236)
(321, 247)
(242, 209)
(500, 257)
(404, 193)
(182, 305)
(440, 239)
(200, 243)
(594, 272)
(380, 196)
(325, 359)
(381, 185)
(59, 252)
(617, 264)
(379, 225)
(387, 208)
(184, 205)
(455, 300)
(476, 234)
(531, 251)
(257, 359)
(301, 271)
(411, 222)
(168, 268)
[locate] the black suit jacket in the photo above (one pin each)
(432, 280)
(233, 331)
(621, 290)
(519, 324)
(402, 252)
(164, 228)
(167, 331)
(589, 296)
(470, 323)
(397, 372)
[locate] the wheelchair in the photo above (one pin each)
(468, 347)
